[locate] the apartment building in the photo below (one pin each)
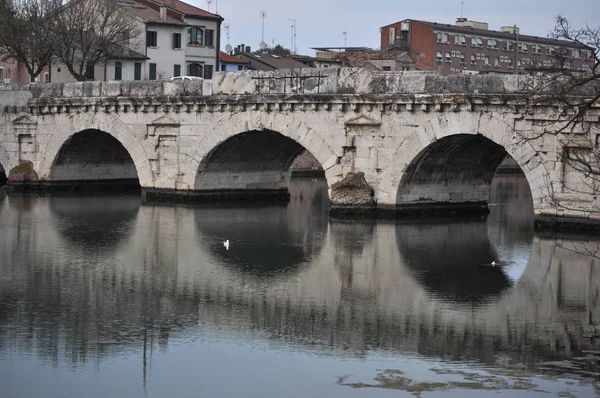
(176, 39)
(470, 47)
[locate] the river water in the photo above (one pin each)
(109, 297)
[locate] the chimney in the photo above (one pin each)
(248, 49)
(163, 13)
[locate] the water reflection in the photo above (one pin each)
(452, 259)
(292, 280)
(94, 223)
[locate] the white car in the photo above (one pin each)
(184, 78)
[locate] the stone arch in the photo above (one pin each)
(239, 123)
(493, 128)
(106, 123)
(4, 166)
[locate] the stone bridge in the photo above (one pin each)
(423, 141)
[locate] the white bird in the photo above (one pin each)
(493, 263)
(226, 244)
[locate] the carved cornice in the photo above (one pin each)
(277, 103)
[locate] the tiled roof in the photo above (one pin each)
(228, 59)
(188, 9)
(360, 59)
(147, 14)
(467, 30)
(274, 62)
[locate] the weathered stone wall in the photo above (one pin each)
(351, 120)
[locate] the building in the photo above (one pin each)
(13, 71)
(470, 47)
(359, 57)
(269, 62)
(232, 64)
(176, 39)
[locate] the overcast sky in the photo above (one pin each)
(321, 23)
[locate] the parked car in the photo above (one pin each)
(184, 78)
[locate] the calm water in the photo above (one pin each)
(107, 297)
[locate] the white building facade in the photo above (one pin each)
(176, 39)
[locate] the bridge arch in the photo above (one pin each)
(108, 124)
(288, 132)
(4, 166)
(452, 158)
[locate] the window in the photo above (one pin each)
(195, 69)
(523, 47)
(151, 39)
(152, 74)
(460, 40)
(1, 75)
(492, 43)
(208, 71)
(125, 39)
(442, 37)
(46, 77)
(507, 45)
(453, 53)
(510, 65)
(176, 70)
(536, 49)
(195, 37)
(118, 71)
(487, 61)
(476, 42)
(496, 62)
(137, 71)
(176, 40)
(241, 67)
(208, 38)
(448, 57)
(462, 59)
(387, 68)
(473, 62)
(439, 56)
(576, 53)
(89, 71)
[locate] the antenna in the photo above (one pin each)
(208, 2)
(293, 49)
(227, 27)
(345, 33)
(263, 15)
(462, 4)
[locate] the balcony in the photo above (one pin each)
(399, 44)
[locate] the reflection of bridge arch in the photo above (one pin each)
(451, 260)
(265, 241)
(95, 224)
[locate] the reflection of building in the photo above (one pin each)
(470, 47)
(175, 39)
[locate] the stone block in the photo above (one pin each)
(111, 89)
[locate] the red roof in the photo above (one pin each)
(188, 9)
(228, 59)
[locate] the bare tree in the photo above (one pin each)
(92, 32)
(27, 34)
(574, 127)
